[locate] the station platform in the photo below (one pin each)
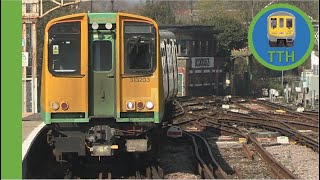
(29, 123)
(32, 125)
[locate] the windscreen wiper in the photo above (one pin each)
(134, 44)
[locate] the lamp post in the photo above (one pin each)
(91, 6)
(191, 8)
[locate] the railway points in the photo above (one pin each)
(256, 134)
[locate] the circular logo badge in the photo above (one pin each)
(281, 37)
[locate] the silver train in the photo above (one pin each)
(168, 52)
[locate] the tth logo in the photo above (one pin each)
(281, 37)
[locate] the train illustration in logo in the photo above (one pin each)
(281, 29)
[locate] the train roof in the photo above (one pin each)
(281, 13)
(165, 34)
(189, 28)
(102, 17)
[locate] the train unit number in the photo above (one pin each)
(139, 79)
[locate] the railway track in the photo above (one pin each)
(293, 116)
(149, 172)
(257, 119)
(226, 121)
(288, 127)
(278, 169)
(42, 165)
(307, 115)
(208, 167)
(296, 125)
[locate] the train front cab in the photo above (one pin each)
(116, 75)
(139, 81)
(100, 73)
(64, 85)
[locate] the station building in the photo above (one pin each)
(200, 69)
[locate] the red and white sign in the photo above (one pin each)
(174, 132)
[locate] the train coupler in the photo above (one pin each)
(103, 150)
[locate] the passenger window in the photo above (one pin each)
(102, 55)
(281, 23)
(273, 22)
(289, 23)
(64, 48)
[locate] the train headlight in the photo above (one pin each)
(55, 106)
(130, 105)
(149, 105)
(95, 25)
(108, 26)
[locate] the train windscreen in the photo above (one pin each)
(273, 22)
(140, 51)
(64, 48)
(289, 23)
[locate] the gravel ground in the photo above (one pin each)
(177, 162)
(180, 175)
(249, 169)
(302, 161)
(256, 107)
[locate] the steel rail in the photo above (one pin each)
(153, 172)
(219, 171)
(204, 171)
(302, 139)
(299, 137)
(279, 170)
(275, 106)
(300, 124)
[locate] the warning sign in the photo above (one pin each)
(25, 59)
(55, 49)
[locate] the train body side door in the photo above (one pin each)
(102, 74)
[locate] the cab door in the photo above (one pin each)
(281, 27)
(102, 79)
